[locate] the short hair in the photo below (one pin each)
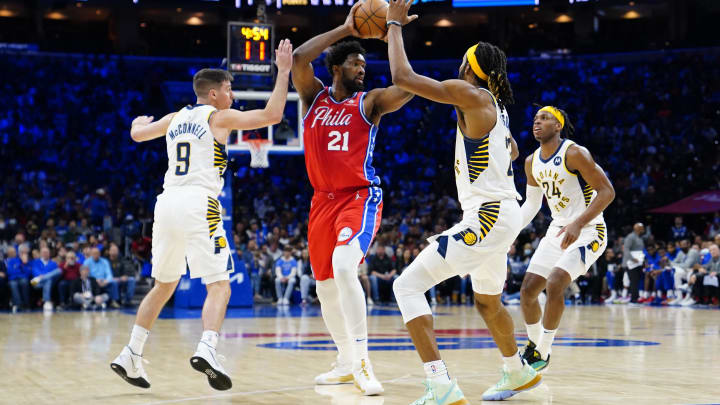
(207, 79)
(338, 53)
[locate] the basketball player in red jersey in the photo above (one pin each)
(340, 124)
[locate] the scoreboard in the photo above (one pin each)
(494, 3)
(251, 48)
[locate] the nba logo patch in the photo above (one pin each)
(220, 243)
(557, 160)
(345, 234)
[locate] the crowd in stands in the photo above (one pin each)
(77, 200)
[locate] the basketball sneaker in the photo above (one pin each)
(129, 366)
(205, 360)
(340, 374)
(512, 383)
(442, 394)
(365, 379)
(533, 357)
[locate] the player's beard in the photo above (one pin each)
(351, 85)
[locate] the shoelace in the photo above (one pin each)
(428, 394)
(364, 370)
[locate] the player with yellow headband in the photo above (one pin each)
(577, 191)
(478, 245)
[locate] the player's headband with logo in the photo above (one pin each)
(556, 113)
(472, 60)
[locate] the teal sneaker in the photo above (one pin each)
(533, 358)
(442, 394)
(513, 382)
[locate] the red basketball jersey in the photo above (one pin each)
(339, 142)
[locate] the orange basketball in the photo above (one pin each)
(369, 18)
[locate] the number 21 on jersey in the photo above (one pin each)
(336, 138)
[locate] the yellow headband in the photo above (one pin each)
(556, 113)
(472, 60)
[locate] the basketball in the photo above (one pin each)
(369, 18)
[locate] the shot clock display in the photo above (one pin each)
(250, 48)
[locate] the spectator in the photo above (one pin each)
(382, 272)
(705, 281)
(19, 271)
(70, 272)
(633, 260)
(45, 272)
(100, 270)
(678, 231)
(286, 269)
(609, 266)
(86, 291)
(3, 284)
(307, 278)
(249, 258)
(123, 272)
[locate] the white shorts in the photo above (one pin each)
(188, 233)
(479, 244)
(576, 259)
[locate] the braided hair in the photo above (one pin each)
(569, 129)
(493, 62)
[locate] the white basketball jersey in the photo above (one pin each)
(567, 193)
(195, 158)
(483, 168)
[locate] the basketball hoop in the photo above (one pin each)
(259, 149)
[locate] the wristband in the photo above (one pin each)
(393, 22)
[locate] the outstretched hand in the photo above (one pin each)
(284, 56)
(142, 120)
(398, 11)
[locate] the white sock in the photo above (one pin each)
(534, 331)
(138, 336)
(437, 372)
(514, 362)
(624, 292)
(345, 262)
(210, 338)
(334, 321)
(546, 342)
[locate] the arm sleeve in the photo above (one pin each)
(533, 202)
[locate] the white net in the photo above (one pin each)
(259, 149)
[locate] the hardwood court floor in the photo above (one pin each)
(603, 355)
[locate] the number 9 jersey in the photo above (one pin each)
(195, 158)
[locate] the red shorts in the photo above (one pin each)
(339, 219)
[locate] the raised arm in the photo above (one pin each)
(144, 129)
(273, 111)
(578, 158)
(303, 75)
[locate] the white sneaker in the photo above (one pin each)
(625, 300)
(370, 301)
(433, 302)
(48, 306)
(687, 302)
(129, 366)
(286, 301)
(612, 297)
(676, 301)
(365, 379)
(205, 361)
(340, 374)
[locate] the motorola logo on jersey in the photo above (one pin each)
(330, 118)
(345, 234)
(557, 160)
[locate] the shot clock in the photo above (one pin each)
(251, 48)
